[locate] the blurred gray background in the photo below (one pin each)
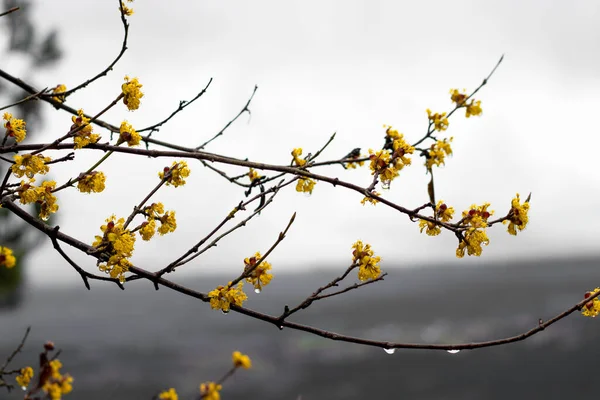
(322, 67)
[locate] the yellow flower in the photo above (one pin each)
(178, 172)
(148, 229)
(84, 135)
(517, 216)
(6, 257)
(210, 391)
(25, 377)
(473, 108)
(591, 308)
(14, 127)
(128, 134)
(92, 182)
(29, 165)
(57, 90)
(296, 153)
(368, 263)
(457, 97)
(439, 121)
(167, 223)
(41, 195)
(370, 199)
(119, 244)
(170, 394)
(57, 384)
(438, 152)
(259, 275)
(475, 235)
(132, 93)
(253, 175)
(305, 185)
(241, 360)
(126, 10)
(433, 229)
(224, 296)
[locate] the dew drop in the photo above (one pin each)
(24, 388)
(257, 290)
(390, 351)
(453, 351)
(280, 327)
(225, 312)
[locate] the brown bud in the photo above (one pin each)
(49, 346)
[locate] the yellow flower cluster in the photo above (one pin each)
(84, 135)
(442, 213)
(210, 391)
(128, 134)
(6, 257)
(253, 175)
(438, 152)
(259, 275)
(368, 263)
(472, 108)
(156, 212)
(296, 153)
(368, 199)
(14, 127)
(119, 243)
(178, 172)
(57, 384)
(29, 165)
(305, 185)
(517, 216)
(439, 121)
(132, 93)
(591, 308)
(241, 360)
(475, 235)
(170, 394)
(91, 182)
(24, 378)
(224, 296)
(387, 163)
(57, 90)
(126, 10)
(41, 195)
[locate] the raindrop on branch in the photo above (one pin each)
(225, 312)
(453, 351)
(390, 351)
(257, 290)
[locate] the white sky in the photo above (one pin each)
(345, 67)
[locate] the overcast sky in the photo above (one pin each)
(347, 67)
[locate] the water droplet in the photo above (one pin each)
(24, 388)
(390, 351)
(257, 290)
(280, 327)
(225, 312)
(453, 351)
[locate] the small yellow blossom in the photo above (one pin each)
(517, 216)
(57, 90)
(369, 199)
(57, 384)
(41, 195)
(126, 10)
(29, 165)
(296, 153)
(84, 134)
(167, 223)
(368, 263)
(476, 220)
(14, 127)
(458, 97)
(170, 394)
(128, 134)
(148, 229)
(473, 108)
(439, 121)
(591, 308)
(132, 93)
(259, 275)
(210, 391)
(224, 296)
(241, 360)
(443, 213)
(253, 175)
(438, 152)
(305, 185)
(24, 378)
(6, 257)
(92, 182)
(119, 243)
(178, 172)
